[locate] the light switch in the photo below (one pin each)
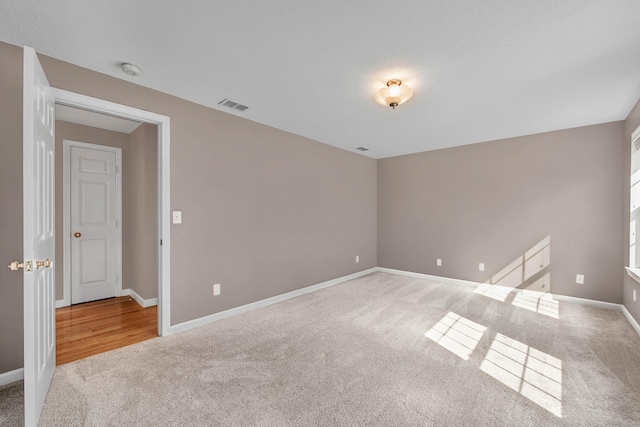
(177, 217)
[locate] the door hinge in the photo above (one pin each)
(160, 242)
(116, 224)
(115, 170)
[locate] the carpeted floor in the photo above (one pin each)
(381, 350)
(11, 403)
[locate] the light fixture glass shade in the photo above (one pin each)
(394, 94)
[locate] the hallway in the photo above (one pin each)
(83, 330)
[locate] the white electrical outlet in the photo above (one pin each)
(481, 266)
(177, 217)
(357, 258)
(580, 279)
(439, 262)
(634, 295)
(216, 289)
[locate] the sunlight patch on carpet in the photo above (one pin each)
(542, 303)
(457, 334)
(495, 292)
(530, 372)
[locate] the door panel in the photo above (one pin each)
(39, 237)
(99, 166)
(94, 261)
(94, 204)
(93, 225)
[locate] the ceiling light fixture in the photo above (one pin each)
(130, 69)
(394, 94)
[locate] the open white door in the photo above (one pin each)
(39, 243)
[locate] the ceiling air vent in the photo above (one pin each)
(228, 103)
(362, 149)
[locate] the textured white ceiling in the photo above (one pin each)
(481, 70)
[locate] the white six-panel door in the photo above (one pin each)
(94, 204)
(39, 237)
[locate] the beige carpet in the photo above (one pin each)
(11, 403)
(381, 350)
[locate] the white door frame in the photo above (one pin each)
(71, 99)
(66, 214)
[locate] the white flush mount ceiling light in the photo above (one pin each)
(394, 94)
(130, 69)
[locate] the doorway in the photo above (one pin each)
(160, 203)
(83, 330)
(39, 100)
(107, 189)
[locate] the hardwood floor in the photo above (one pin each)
(86, 329)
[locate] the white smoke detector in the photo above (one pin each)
(130, 69)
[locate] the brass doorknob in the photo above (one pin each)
(77, 234)
(15, 266)
(46, 263)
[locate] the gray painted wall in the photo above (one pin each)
(144, 211)
(492, 202)
(630, 124)
(11, 207)
(264, 211)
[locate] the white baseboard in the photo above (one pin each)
(428, 277)
(632, 321)
(144, 303)
(575, 300)
(589, 302)
(265, 302)
(11, 376)
(18, 374)
(278, 298)
(125, 292)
